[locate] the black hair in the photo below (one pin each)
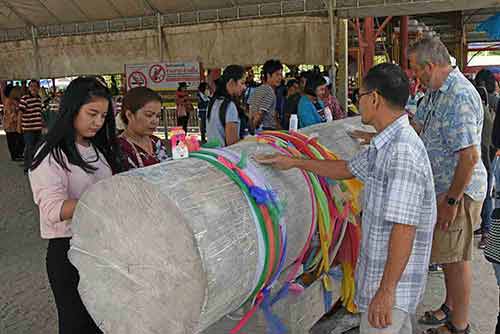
(483, 93)
(305, 74)
(60, 140)
(486, 79)
(389, 81)
(271, 66)
(314, 80)
(181, 86)
(291, 83)
(232, 72)
(202, 87)
(8, 89)
(35, 82)
(135, 99)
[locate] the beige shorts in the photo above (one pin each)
(455, 244)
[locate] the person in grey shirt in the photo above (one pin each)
(222, 116)
(262, 103)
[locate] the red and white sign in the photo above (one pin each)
(137, 79)
(163, 76)
(157, 73)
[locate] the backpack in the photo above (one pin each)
(489, 118)
(222, 114)
(487, 131)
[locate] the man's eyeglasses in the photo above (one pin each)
(365, 93)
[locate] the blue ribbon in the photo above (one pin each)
(260, 195)
(336, 273)
(327, 299)
(274, 324)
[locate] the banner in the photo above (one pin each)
(163, 76)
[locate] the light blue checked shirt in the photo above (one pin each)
(398, 188)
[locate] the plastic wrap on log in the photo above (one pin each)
(172, 248)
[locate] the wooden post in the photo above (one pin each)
(34, 40)
(462, 47)
(160, 36)
(369, 53)
(333, 34)
(342, 56)
(403, 36)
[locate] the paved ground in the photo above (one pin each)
(26, 303)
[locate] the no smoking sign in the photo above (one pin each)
(157, 73)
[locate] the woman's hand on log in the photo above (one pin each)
(277, 161)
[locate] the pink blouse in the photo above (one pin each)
(52, 185)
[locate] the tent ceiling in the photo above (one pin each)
(24, 13)
(75, 17)
(21, 13)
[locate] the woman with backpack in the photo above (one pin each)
(223, 115)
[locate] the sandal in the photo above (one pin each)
(448, 327)
(429, 318)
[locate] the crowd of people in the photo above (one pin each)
(243, 107)
(428, 176)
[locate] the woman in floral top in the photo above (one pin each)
(12, 124)
(331, 102)
(141, 109)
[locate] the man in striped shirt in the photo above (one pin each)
(263, 102)
(30, 107)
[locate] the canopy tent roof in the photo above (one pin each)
(53, 18)
(70, 37)
(21, 13)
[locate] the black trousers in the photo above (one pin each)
(63, 278)
(31, 139)
(203, 125)
(15, 142)
(183, 121)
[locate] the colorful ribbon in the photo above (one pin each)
(333, 238)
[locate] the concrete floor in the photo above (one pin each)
(26, 303)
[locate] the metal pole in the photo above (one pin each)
(165, 124)
(34, 39)
(332, 4)
(160, 36)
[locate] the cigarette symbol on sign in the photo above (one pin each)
(137, 79)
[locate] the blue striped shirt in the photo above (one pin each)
(398, 189)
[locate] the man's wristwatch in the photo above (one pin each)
(452, 201)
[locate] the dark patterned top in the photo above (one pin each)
(135, 157)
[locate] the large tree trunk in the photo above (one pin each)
(173, 248)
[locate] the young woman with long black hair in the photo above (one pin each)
(223, 115)
(79, 150)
